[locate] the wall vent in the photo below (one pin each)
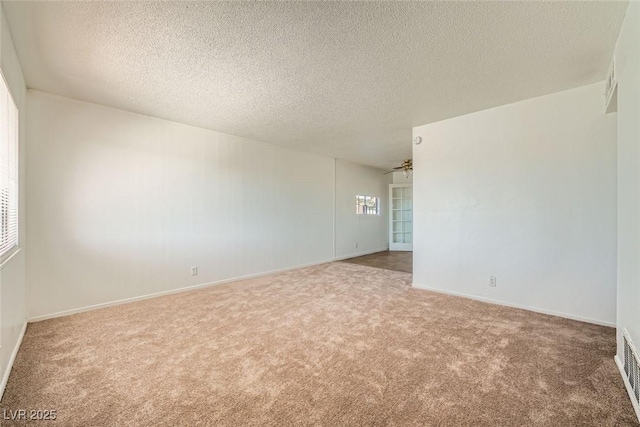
(632, 367)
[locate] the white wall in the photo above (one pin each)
(401, 178)
(369, 232)
(121, 205)
(627, 58)
(527, 193)
(12, 272)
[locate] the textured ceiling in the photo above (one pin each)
(343, 79)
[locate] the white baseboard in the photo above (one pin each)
(14, 353)
(163, 293)
(190, 288)
(363, 253)
(632, 396)
(522, 307)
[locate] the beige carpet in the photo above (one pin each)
(336, 345)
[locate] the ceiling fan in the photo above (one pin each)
(406, 166)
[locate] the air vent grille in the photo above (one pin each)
(632, 368)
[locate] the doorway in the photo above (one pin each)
(401, 217)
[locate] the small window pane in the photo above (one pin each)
(367, 205)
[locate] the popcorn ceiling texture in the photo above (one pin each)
(343, 79)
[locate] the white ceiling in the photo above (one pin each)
(343, 79)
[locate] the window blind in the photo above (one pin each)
(8, 171)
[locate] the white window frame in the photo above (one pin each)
(9, 173)
(365, 198)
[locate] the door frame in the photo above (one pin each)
(398, 246)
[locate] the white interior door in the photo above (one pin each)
(401, 217)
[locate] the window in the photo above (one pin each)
(367, 205)
(8, 172)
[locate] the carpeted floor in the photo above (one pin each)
(337, 345)
(390, 260)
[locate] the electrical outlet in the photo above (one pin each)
(492, 281)
(194, 271)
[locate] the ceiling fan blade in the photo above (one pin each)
(399, 168)
(407, 165)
